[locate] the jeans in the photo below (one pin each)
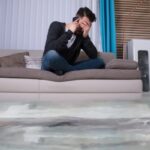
(53, 61)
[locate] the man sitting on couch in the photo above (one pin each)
(64, 42)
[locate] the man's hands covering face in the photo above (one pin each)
(86, 28)
(73, 25)
(78, 26)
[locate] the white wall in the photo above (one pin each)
(24, 23)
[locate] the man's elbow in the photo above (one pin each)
(94, 55)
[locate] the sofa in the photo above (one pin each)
(120, 79)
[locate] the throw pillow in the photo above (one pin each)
(13, 60)
(33, 62)
(121, 64)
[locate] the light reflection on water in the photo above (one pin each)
(95, 109)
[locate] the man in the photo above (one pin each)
(64, 42)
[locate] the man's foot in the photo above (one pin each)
(58, 72)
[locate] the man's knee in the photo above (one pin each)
(52, 57)
(51, 54)
(49, 59)
(100, 62)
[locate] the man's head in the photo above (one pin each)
(85, 12)
(85, 17)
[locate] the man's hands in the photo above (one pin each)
(73, 25)
(86, 28)
(80, 24)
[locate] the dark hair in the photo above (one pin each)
(84, 11)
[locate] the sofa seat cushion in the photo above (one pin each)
(74, 75)
(27, 73)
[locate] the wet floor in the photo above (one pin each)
(95, 125)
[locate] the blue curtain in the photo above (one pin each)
(107, 25)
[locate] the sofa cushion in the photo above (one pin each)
(121, 64)
(28, 73)
(33, 62)
(106, 56)
(14, 60)
(105, 74)
(73, 75)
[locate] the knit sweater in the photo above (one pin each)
(57, 39)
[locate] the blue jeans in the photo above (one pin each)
(53, 61)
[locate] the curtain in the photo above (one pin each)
(24, 23)
(107, 25)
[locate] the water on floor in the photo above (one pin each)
(96, 125)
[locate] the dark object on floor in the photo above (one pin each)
(144, 68)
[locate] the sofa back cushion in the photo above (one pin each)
(38, 54)
(121, 64)
(13, 60)
(33, 62)
(107, 57)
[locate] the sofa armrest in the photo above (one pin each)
(121, 64)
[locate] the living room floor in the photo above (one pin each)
(107, 125)
(146, 96)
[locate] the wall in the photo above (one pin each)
(24, 23)
(132, 21)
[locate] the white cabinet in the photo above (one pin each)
(135, 45)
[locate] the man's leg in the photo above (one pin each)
(96, 63)
(52, 61)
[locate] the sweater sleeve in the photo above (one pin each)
(89, 48)
(56, 40)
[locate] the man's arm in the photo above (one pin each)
(89, 47)
(55, 40)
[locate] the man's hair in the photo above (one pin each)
(84, 11)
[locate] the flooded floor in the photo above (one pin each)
(95, 125)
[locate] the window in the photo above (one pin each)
(24, 23)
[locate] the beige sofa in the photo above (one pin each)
(32, 84)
